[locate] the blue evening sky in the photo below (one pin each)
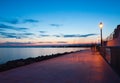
(38, 22)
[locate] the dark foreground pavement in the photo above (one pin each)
(80, 67)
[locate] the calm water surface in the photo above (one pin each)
(7, 54)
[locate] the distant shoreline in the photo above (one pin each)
(50, 46)
(22, 62)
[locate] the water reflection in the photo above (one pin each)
(7, 54)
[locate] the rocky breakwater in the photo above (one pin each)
(22, 62)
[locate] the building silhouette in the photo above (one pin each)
(114, 38)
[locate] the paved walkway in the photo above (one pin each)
(80, 67)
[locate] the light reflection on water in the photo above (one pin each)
(7, 54)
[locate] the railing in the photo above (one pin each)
(112, 56)
(110, 37)
(110, 51)
(114, 34)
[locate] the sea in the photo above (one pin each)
(14, 53)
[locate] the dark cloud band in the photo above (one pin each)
(15, 35)
(77, 35)
(42, 31)
(17, 21)
(4, 27)
(56, 25)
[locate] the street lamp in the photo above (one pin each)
(101, 26)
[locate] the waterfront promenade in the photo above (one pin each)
(81, 67)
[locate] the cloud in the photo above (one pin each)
(45, 42)
(2, 30)
(71, 35)
(18, 42)
(28, 34)
(87, 35)
(56, 25)
(57, 35)
(47, 35)
(30, 21)
(42, 31)
(78, 35)
(67, 36)
(15, 43)
(61, 42)
(12, 21)
(15, 35)
(3, 26)
(52, 42)
(17, 21)
(44, 35)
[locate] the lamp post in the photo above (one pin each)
(101, 26)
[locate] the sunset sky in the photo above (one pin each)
(46, 22)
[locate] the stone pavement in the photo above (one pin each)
(81, 67)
